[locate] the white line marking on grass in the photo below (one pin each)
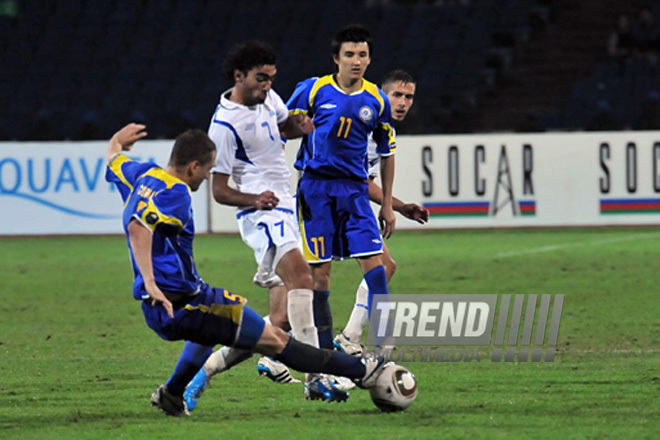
(556, 247)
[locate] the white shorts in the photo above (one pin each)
(271, 234)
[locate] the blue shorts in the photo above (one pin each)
(336, 220)
(213, 316)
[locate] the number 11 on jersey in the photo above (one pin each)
(347, 122)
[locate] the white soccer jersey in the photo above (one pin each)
(249, 147)
(374, 157)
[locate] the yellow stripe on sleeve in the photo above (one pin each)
(323, 81)
(115, 166)
(147, 217)
(391, 140)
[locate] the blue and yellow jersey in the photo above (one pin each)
(337, 148)
(163, 204)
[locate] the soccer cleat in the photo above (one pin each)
(342, 344)
(195, 388)
(374, 365)
(341, 383)
(322, 388)
(169, 404)
(275, 371)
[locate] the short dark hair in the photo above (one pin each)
(247, 56)
(191, 145)
(397, 75)
(355, 33)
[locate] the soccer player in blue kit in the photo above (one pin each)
(399, 86)
(176, 303)
(335, 216)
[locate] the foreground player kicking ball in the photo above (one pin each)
(176, 303)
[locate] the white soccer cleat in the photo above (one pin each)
(342, 344)
(275, 371)
(374, 366)
(341, 383)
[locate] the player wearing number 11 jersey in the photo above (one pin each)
(335, 217)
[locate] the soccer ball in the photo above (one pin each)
(395, 389)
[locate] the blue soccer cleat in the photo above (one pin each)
(195, 388)
(322, 388)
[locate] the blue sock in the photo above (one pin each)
(308, 359)
(191, 360)
(323, 318)
(377, 281)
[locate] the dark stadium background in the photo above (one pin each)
(79, 69)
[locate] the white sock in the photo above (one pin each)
(300, 307)
(359, 316)
(301, 316)
(225, 358)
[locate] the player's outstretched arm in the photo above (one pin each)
(141, 239)
(226, 195)
(386, 216)
(413, 211)
(124, 139)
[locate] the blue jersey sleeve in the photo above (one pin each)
(123, 172)
(299, 103)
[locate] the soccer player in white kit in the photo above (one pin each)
(246, 129)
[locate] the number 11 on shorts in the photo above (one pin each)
(319, 246)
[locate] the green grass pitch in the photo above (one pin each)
(77, 360)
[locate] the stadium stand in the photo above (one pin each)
(79, 68)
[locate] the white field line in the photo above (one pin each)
(556, 247)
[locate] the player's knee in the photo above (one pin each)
(281, 339)
(294, 271)
(300, 279)
(272, 341)
(305, 280)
